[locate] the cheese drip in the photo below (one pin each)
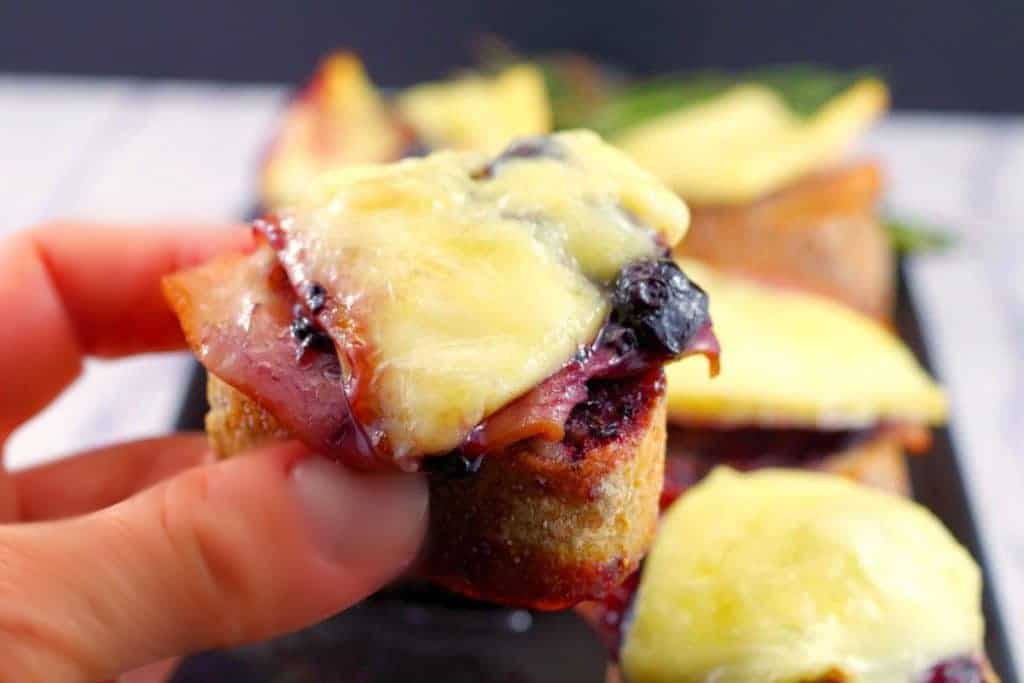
(466, 282)
(782, 576)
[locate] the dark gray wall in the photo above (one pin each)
(943, 54)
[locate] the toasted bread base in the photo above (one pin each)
(531, 528)
(878, 462)
(547, 533)
(820, 234)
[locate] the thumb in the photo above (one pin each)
(219, 555)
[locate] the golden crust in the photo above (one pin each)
(524, 530)
(532, 527)
(820, 234)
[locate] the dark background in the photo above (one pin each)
(937, 54)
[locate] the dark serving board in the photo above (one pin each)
(415, 634)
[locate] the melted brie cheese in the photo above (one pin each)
(747, 142)
(469, 286)
(797, 359)
(479, 112)
(781, 576)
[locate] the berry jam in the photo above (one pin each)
(957, 670)
(610, 407)
(692, 453)
(609, 615)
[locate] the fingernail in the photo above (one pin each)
(355, 517)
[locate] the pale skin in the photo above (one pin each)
(130, 555)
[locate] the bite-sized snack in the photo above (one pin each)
(748, 141)
(816, 363)
(478, 112)
(782, 576)
(872, 455)
(820, 233)
(500, 322)
(808, 383)
(761, 172)
(338, 119)
(341, 119)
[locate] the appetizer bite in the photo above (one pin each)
(478, 112)
(501, 323)
(758, 157)
(759, 160)
(342, 119)
(781, 576)
(338, 119)
(808, 383)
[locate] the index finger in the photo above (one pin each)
(73, 290)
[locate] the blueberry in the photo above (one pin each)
(659, 305)
(621, 340)
(532, 148)
(536, 147)
(416, 149)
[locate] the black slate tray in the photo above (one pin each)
(418, 634)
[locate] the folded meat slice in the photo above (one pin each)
(239, 317)
(237, 313)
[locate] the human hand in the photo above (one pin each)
(133, 553)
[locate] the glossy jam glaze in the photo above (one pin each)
(693, 452)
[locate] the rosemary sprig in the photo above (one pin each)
(909, 237)
(804, 88)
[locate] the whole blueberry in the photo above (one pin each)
(663, 308)
(536, 147)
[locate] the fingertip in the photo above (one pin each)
(347, 532)
(369, 524)
(245, 549)
(374, 521)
